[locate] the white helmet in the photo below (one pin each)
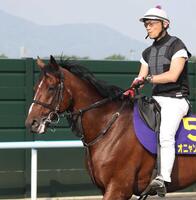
(155, 13)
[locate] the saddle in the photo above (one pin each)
(149, 111)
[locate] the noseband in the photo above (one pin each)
(54, 107)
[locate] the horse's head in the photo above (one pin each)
(51, 97)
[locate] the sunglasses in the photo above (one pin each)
(150, 23)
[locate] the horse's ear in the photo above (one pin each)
(40, 63)
(53, 63)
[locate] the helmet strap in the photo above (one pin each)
(161, 33)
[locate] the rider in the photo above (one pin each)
(164, 65)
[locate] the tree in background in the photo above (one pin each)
(72, 57)
(115, 57)
(193, 59)
(3, 56)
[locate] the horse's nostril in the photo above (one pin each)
(35, 124)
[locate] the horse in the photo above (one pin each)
(117, 163)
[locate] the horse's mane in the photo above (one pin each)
(82, 72)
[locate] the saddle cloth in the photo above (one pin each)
(185, 136)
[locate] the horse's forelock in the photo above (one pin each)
(50, 70)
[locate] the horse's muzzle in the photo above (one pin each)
(36, 126)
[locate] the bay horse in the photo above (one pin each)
(117, 163)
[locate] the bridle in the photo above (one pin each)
(75, 117)
(54, 106)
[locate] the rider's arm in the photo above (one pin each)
(173, 74)
(143, 68)
(143, 71)
(139, 80)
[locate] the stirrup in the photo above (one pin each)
(153, 189)
(158, 185)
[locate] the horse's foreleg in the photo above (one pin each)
(116, 196)
(116, 192)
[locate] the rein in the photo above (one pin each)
(104, 131)
(75, 120)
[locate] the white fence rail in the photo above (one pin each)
(34, 146)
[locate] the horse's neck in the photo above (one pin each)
(84, 95)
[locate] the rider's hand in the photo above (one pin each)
(138, 82)
(130, 92)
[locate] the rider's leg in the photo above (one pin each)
(172, 111)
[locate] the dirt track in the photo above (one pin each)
(180, 196)
(173, 196)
